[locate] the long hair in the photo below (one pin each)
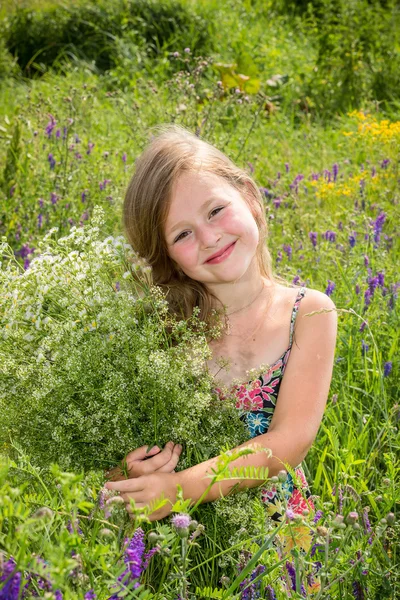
(172, 152)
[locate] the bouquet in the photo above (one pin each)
(92, 365)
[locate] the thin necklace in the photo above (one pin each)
(247, 305)
(228, 323)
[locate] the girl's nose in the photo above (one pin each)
(209, 238)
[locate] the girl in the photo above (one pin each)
(199, 222)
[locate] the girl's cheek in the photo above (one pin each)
(184, 254)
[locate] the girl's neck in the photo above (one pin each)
(239, 296)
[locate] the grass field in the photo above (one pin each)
(320, 133)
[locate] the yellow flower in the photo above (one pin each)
(298, 536)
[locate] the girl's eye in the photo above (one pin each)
(216, 210)
(181, 236)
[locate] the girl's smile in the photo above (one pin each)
(221, 255)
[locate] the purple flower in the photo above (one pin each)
(53, 198)
(58, 133)
(357, 289)
(181, 521)
(367, 297)
(40, 220)
(296, 279)
(133, 557)
(270, 593)
(277, 202)
(77, 140)
(378, 225)
(50, 126)
(352, 241)
(358, 591)
(84, 195)
(11, 578)
(340, 506)
(313, 237)
(288, 250)
(58, 595)
(289, 514)
(124, 158)
(90, 595)
(387, 368)
(363, 325)
(52, 161)
(90, 147)
(74, 528)
(331, 286)
(385, 163)
(329, 235)
(366, 260)
(252, 590)
(24, 251)
(41, 201)
(279, 257)
(381, 278)
(65, 131)
(335, 170)
(147, 557)
(187, 50)
(295, 185)
(287, 168)
(318, 515)
(267, 193)
(292, 574)
(364, 347)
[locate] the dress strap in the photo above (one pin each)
(300, 295)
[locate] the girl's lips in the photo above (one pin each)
(227, 252)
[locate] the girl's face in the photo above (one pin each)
(209, 217)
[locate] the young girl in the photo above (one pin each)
(199, 222)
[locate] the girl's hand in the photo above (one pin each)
(147, 488)
(139, 463)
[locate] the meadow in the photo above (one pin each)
(305, 97)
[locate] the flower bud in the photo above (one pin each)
(321, 530)
(386, 482)
(282, 475)
(115, 500)
(383, 521)
(43, 513)
(305, 512)
(352, 517)
(356, 526)
(274, 479)
(105, 532)
(390, 518)
(378, 499)
(193, 525)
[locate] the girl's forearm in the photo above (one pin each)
(195, 480)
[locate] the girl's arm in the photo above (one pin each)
(294, 426)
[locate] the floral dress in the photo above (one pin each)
(256, 401)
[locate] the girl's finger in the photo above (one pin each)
(159, 460)
(173, 461)
(127, 485)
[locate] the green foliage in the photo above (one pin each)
(8, 64)
(99, 364)
(89, 31)
(12, 161)
(358, 53)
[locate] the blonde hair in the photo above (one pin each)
(174, 151)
